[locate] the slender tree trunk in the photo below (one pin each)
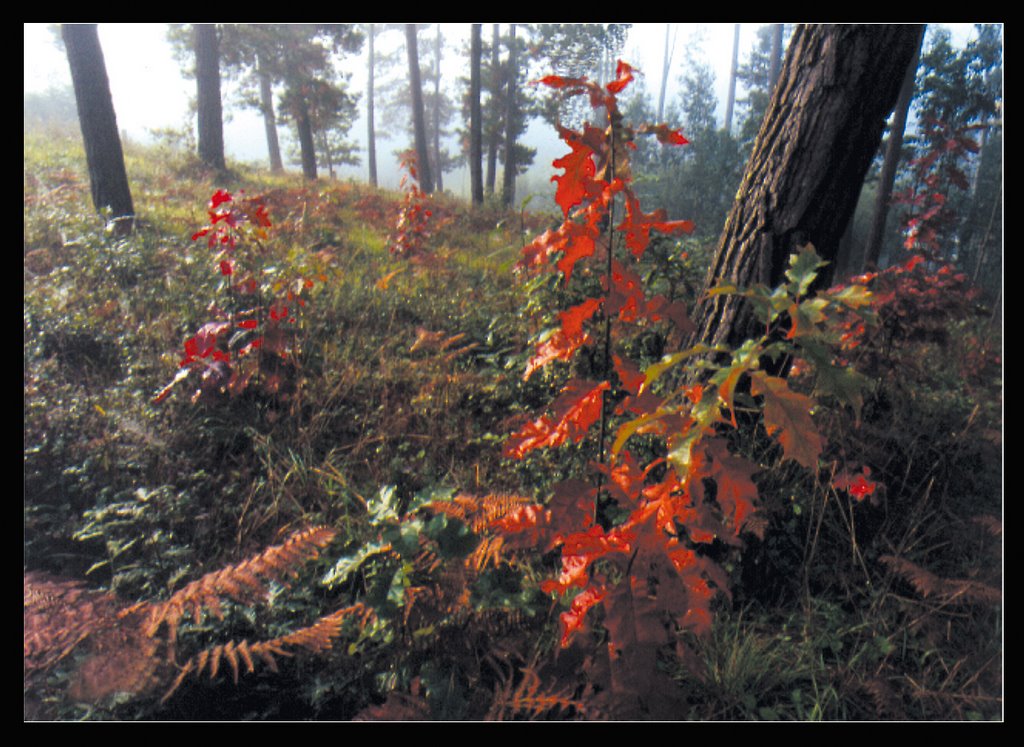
(307, 145)
(821, 130)
(371, 135)
(873, 246)
(666, 65)
(269, 119)
(419, 124)
(732, 77)
(493, 135)
(476, 181)
(776, 59)
(211, 121)
(508, 187)
(108, 179)
(437, 171)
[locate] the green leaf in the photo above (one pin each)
(348, 564)
(853, 296)
(383, 508)
(803, 269)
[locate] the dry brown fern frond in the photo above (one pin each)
(315, 639)
(885, 699)
(62, 616)
(947, 590)
(59, 615)
(531, 699)
(480, 512)
(245, 582)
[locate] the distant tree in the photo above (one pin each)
(475, 114)
(808, 162)
(756, 77)
(666, 66)
(247, 52)
(893, 150)
(732, 78)
(54, 107)
(492, 123)
(508, 189)
(108, 179)
(426, 182)
(697, 182)
(574, 50)
(438, 106)
(962, 90)
(298, 59)
(371, 133)
(211, 123)
(775, 61)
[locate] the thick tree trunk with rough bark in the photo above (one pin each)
(210, 114)
(836, 88)
(108, 179)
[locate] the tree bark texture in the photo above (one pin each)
(418, 119)
(210, 115)
(108, 179)
(837, 86)
(476, 177)
(873, 246)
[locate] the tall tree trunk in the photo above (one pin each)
(731, 103)
(108, 179)
(269, 119)
(873, 246)
(666, 64)
(371, 135)
(418, 122)
(476, 181)
(775, 63)
(307, 145)
(437, 171)
(211, 121)
(493, 136)
(508, 187)
(821, 130)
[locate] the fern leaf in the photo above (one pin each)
(245, 582)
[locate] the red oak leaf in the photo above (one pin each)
(572, 621)
(578, 180)
(788, 414)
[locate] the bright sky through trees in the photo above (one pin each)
(150, 92)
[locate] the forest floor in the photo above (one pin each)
(394, 383)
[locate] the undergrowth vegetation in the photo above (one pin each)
(320, 451)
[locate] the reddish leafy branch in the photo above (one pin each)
(414, 226)
(634, 544)
(250, 341)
